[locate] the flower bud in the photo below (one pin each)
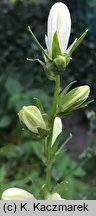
(57, 66)
(61, 62)
(73, 100)
(54, 196)
(17, 194)
(57, 129)
(32, 118)
(58, 21)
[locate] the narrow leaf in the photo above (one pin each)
(63, 145)
(60, 187)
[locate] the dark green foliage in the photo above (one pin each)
(22, 167)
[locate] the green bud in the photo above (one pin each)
(32, 118)
(61, 62)
(72, 100)
(57, 66)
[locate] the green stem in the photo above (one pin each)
(56, 92)
(53, 112)
(48, 176)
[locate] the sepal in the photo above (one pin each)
(66, 89)
(76, 43)
(55, 46)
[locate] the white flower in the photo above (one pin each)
(57, 129)
(54, 196)
(32, 118)
(17, 194)
(59, 21)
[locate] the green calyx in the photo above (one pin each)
(57, 66)
(61, 62)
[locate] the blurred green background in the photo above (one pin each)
(20, 80)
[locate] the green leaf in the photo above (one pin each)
(2, 173)
(9, 151)
(55, 47)
(60, 166)
(77, 43)
(13, 86)
(79, 172)
(62, 186)
(5, 121)
(64, 143)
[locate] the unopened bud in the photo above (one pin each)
(17, 194)
(57, 66)
(32, 118)
(61, 62)
(73, 99)
(57, 129)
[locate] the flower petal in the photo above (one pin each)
(57, 129)
(59, 20)
(17, 194)
(55, 196)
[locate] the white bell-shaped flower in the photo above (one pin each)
(57, 129)
(59, 21)
(54, 196)
(17, 194)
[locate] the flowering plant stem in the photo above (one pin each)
(56, 92)
(49, 140)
